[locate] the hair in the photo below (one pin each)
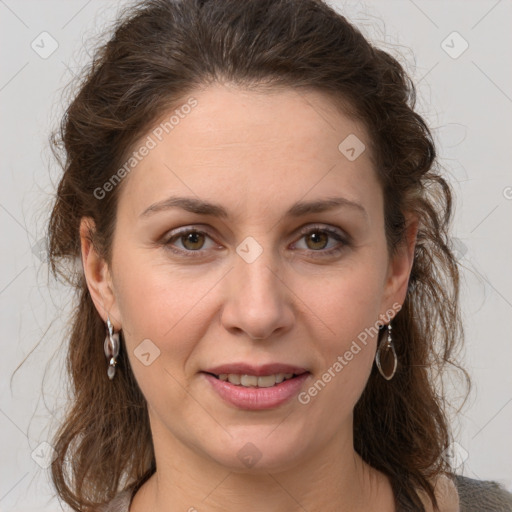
(161, 51)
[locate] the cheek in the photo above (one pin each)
(164, 317)
(164, 312)
(347, 358)
(347, 309)
(345, 302)
(158, 298)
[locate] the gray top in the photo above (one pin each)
(474, 496)
(481, 496)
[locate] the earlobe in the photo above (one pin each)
(97, 275)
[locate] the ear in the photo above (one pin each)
(400, 266)
(98, 276)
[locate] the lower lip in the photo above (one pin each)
(254, 398)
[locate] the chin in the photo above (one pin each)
(260, 452)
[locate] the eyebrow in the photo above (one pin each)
(299, 209)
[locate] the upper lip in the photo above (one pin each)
(258, 371)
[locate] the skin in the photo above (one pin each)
(256, 154)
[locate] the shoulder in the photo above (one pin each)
(478, 495)
(462, 494)
(446, 493)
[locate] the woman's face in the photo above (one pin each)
(269, 281)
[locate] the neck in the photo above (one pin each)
(332, 479)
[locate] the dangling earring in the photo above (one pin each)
(386, 357)
(111, 348)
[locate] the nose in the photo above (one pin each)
(258, 300)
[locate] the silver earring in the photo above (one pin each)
(386, 357)
(111, 348)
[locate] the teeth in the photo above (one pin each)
(248, 380)
(265, 381)
(234, 379)
(280, 377)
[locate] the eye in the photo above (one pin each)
(322, 240)
(191, 241)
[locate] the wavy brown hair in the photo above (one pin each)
(160, 52)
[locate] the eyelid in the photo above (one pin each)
(321, 227)
(177, 233)
(334, 232)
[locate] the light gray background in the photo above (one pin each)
(467, 101)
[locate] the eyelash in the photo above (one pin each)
(321, 253)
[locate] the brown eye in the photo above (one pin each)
(189, 242)
(193, 240)
(319, 240)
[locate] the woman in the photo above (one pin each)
(266, 291)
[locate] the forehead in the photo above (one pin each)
(250, 147)
(237, 118)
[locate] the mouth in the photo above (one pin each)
(256, 392)
(256, 387)
(256, 381)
